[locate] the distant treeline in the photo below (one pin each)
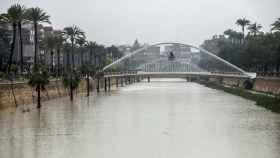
(255, 51)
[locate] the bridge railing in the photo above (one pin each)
(120, 73)
(268, 74)
(227, 73)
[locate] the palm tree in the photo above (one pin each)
(21, 12)
(58, 46)
(81, 42)
(243, 22)
(92, 51)
(39, 79)
(73, 34)
(88, 70)
(101, 55)
(234, 36)
(49, 42)
(276, 25)
(36, 16)
(13, 17)
(254, 28)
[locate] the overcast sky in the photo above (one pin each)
(122, 21)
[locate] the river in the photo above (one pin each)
(166, 118)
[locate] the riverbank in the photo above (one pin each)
(267, 101)
(15, 94)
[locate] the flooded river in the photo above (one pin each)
(161, 119)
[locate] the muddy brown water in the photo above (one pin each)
(161, 119)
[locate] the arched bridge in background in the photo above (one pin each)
(174, 60)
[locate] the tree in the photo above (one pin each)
(81, 42)
(88, 70)
(254, 28)
(243, 22)
(233, 36)
(12, 18)
(36, 16)
(114, 52)
(39, 78)
(276, 25)
(59, 40)
(101, 56)
(73, 34)
(71, 79)
(5, 38)
(92, 51)
(21, 19)
(49, 42)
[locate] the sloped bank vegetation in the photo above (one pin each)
(270, 102)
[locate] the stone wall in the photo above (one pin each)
(260, 84)
(267, 85)
(24, 94)
(233, 81)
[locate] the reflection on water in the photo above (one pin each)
(163, 119)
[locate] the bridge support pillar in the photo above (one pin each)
(122, 81)
(98, 85)
(149, 79)
(117, 82)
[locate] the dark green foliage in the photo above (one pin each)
(36, 16)
(39, 78)
(87, 69)
(260, 52)
(5, 37)
(71, 80)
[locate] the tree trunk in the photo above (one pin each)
(72, 70)
(73, 61)
(88, 84)
(72, 54)
(90, 56)
(98, 85)
(52, 67)
(68, 60)
(13, 92)
(71, 91)
(12, 47)
(82, 58)
(21, 47)
(58, 62)
(38, 96)
(35, 44)
(95, 58)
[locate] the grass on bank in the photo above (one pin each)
(267, 101)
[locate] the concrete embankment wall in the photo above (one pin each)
(267, 84)
(260, 84)
(24, 94)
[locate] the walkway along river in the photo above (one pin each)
(160, 119)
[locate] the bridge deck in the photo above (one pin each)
(177, 74)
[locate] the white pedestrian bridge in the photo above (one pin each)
(174, 60)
